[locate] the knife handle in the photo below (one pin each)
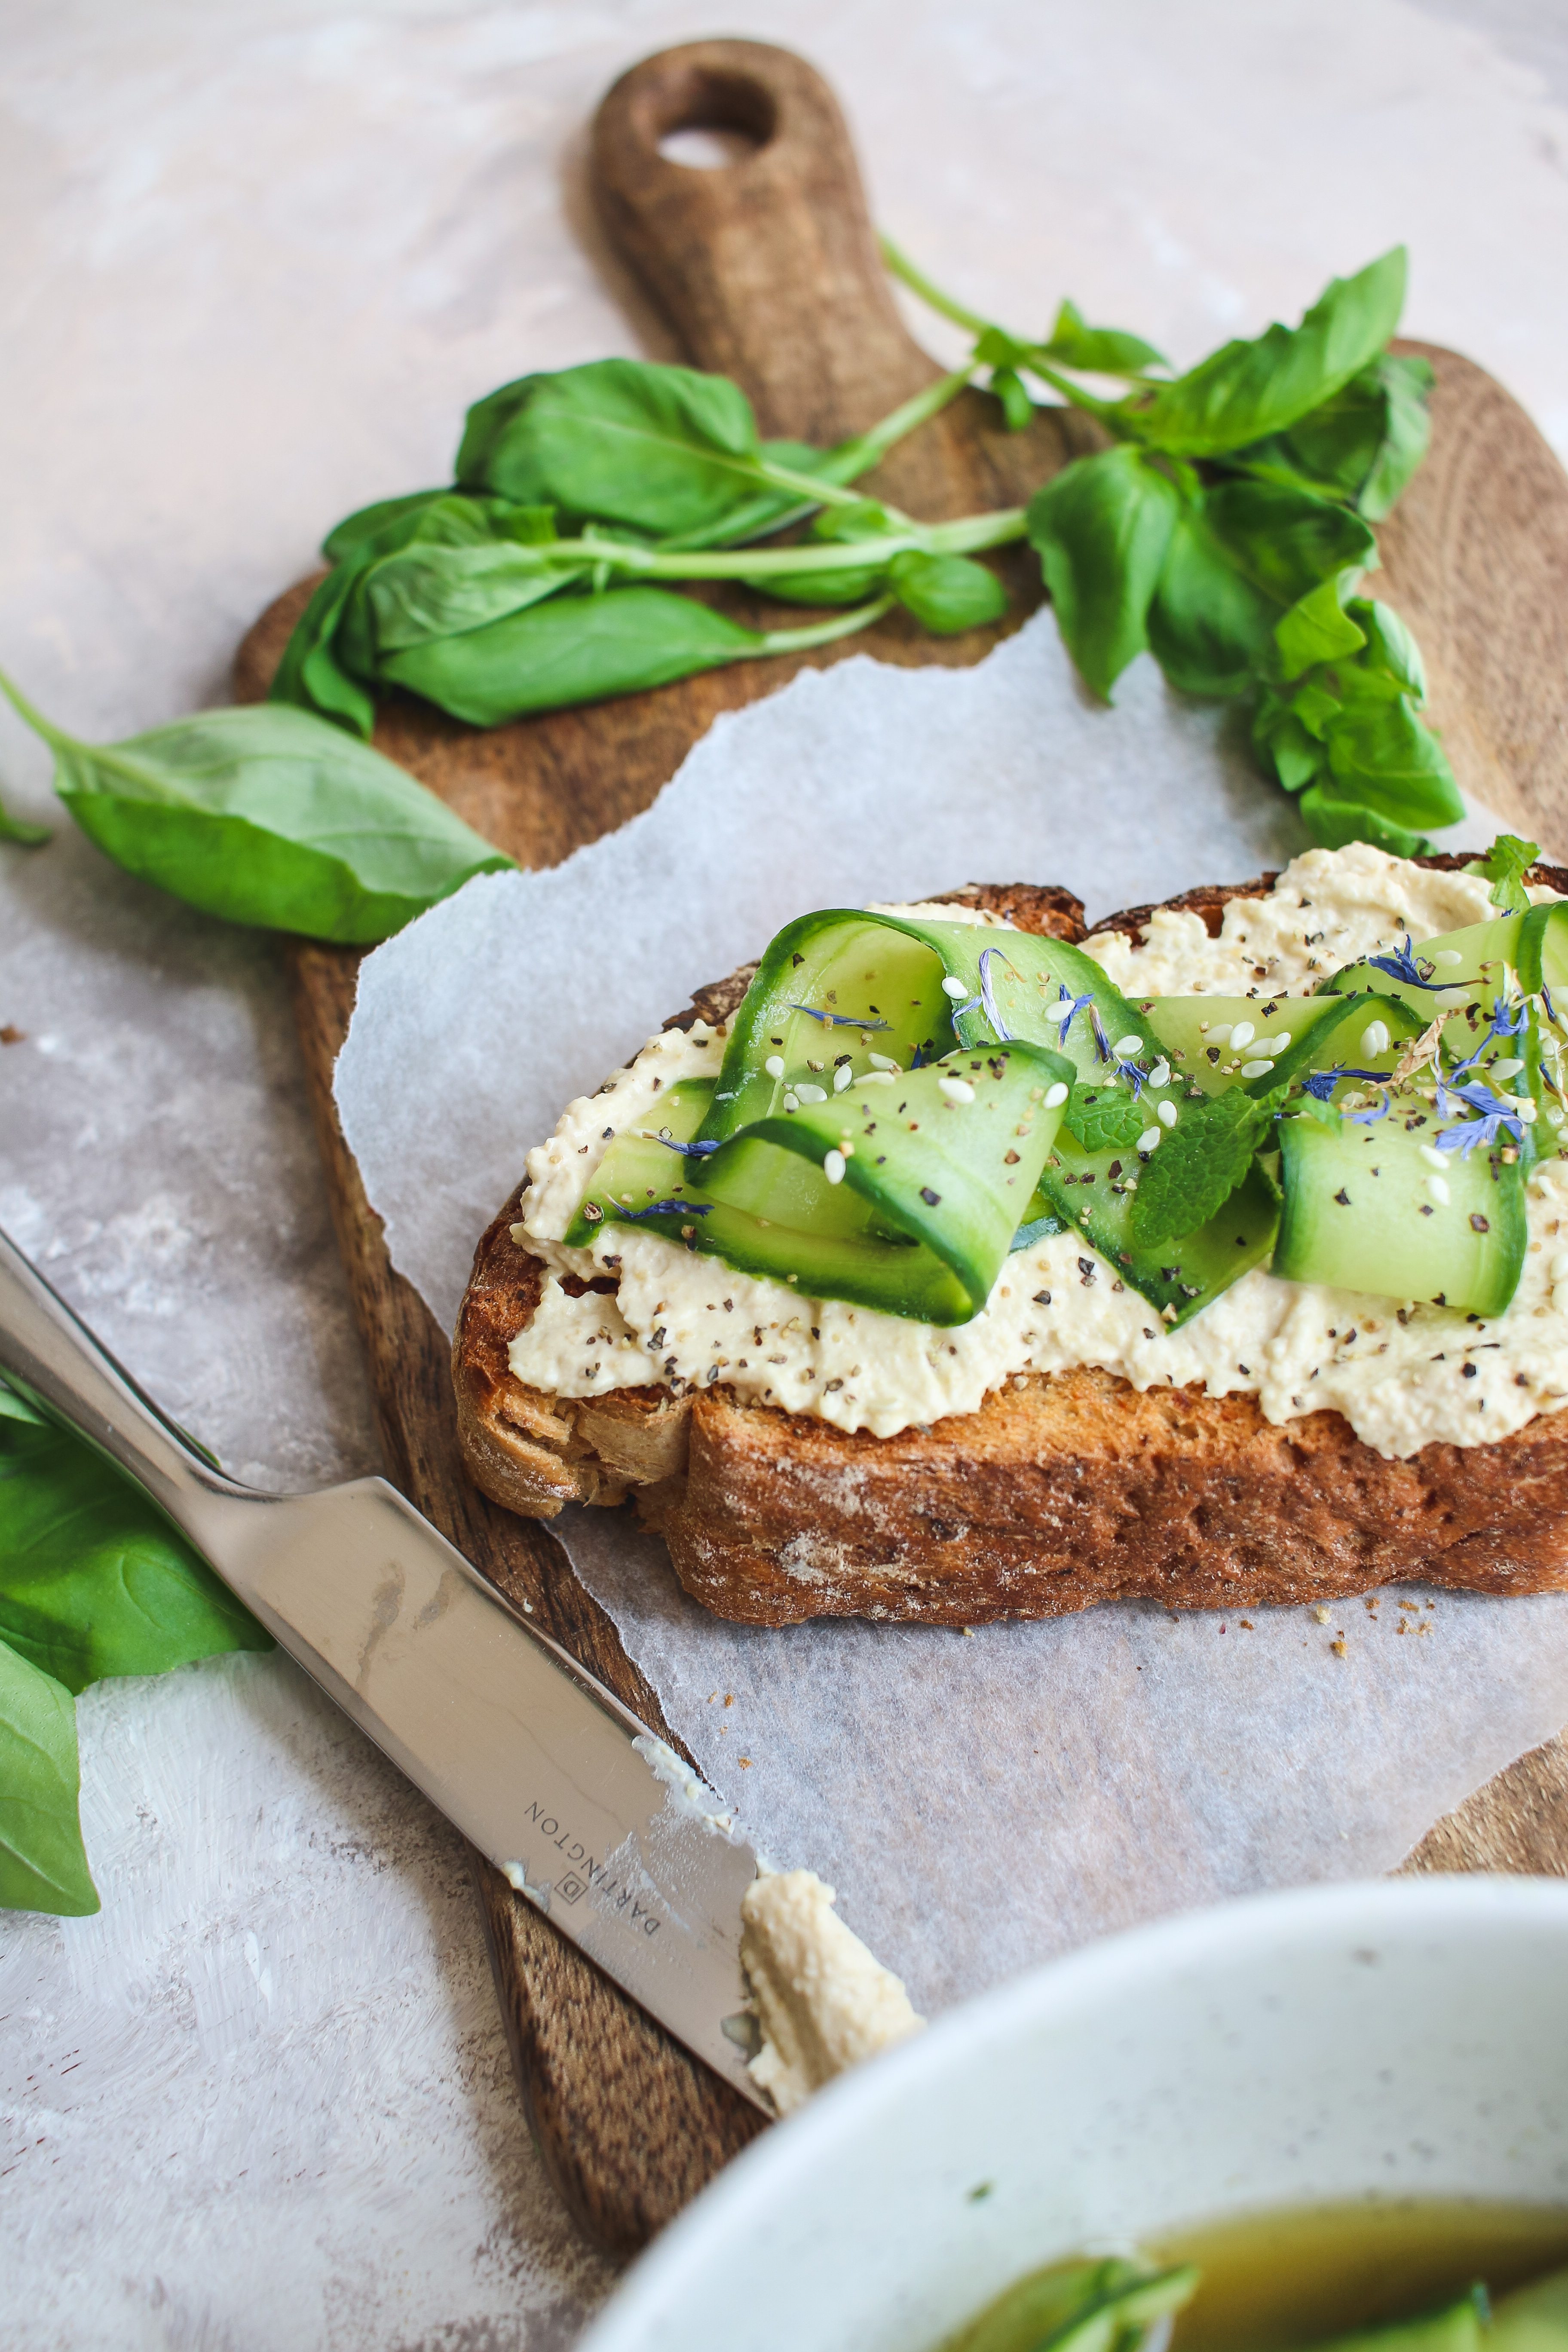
(49, 1355)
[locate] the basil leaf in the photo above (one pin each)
(1246, 390)
(346, 537)
(1210, 626)
(1103, 1117)
(1100, 528)
(947, 594)
(1335, 819)
(1098, 351)
(1198, 1165)
(1408, 384)
(43, 1863)
(1318, 629)
(1279, 734)
(268, 816)
(1361, 445)
(20, 830)
(574, 649)
(1505, 865)
(494, 454)
(438, 592)
(1286, 540)
(1017, 407)
(93, 1580)
(1382, 756)
(329, 663)
(667, 449)
(312, 675)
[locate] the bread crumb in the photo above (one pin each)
(1321, 1615)
(1340, 1648)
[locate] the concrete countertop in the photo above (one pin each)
(256, 261)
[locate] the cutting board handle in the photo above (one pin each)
(767, 264)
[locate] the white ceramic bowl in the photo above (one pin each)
(1408, 2037)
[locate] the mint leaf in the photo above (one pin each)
(1505, 865)
(1103, 1117)
(1100, 528)
(1198, 1165)
(43, 1863)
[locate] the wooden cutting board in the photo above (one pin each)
(767, 269)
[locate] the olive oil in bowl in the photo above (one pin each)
(1274, 2282)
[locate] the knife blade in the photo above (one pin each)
(594, 1819)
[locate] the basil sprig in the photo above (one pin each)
(93, 1583)
(266, 815)
(1227, 530)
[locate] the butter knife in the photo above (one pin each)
(591, 1818)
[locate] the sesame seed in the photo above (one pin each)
(1374, 1038)
(1151, 1136)
(1055, 1096)
(843, 1076)
(1166, 1114)
(1256, 1069)
(1160, 1076)
(774, 1065)
(812, 1094)
(881, 1062)
(1438, 1188)
(953, 988)
(1242, 1035)
(1125, 1047)
(833, 1167)
(957, 1090)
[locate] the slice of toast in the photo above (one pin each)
(1065, 1488)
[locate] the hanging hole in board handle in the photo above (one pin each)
(709, 120)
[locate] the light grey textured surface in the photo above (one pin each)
(256, 259)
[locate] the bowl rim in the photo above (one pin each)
(1092, 1975)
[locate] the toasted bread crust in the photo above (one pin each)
(1062, 1490)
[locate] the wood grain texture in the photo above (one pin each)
(768, 270)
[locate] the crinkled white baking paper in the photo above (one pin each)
(980, 1801)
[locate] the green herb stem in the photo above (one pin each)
(963, 537)
(822, 632)
(868, 449)
(901, 267)
(32, 717)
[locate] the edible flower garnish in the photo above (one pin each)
(836, 1020)
(1074, 1006)
(668, 1209)
(687, 1150)
(1403, 965)
(1493, 1114)
(988, 996)
(1493, 1118)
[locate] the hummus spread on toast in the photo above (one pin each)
(1402, 1376)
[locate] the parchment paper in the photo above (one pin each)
(980, 1801)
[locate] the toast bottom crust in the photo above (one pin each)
(1064, 1489)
